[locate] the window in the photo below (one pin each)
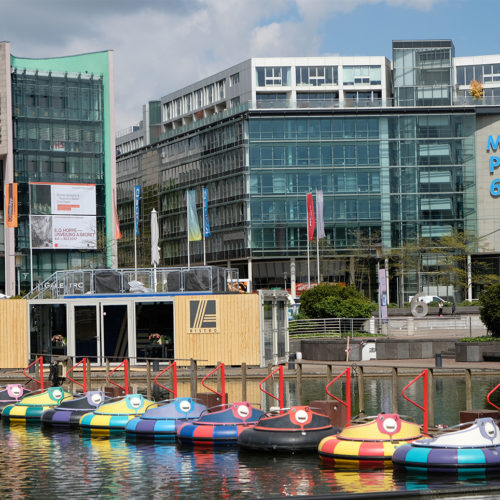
(220, 89)
(362, 75)
(273, 75)
(316, 75)
(234, 79)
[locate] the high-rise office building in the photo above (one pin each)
(400, 151)
(57, 166)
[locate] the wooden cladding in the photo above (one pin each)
(13, 333)
(213, 328)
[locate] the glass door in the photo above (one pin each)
(86, 333)
(114, 331)
(274, 327)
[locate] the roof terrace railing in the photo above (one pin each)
(177, 280)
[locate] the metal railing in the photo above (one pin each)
(125, 281)
(466, 326)
(330, 327)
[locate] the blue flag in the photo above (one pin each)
(206, 224)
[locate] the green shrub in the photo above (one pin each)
(489, 311)
(335, 301)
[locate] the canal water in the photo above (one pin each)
(39, 462)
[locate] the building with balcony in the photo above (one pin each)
(400, 150)
(57, 166)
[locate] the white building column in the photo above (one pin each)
(250, 276)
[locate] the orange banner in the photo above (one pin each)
(11, 204)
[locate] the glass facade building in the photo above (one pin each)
(397, 161)
(60, 116)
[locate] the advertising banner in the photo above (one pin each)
(73, 199)
(63, 199)
(64, 232)
(11, 204)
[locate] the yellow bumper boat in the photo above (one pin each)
(369, 443)
(31, 407)
(115, 415)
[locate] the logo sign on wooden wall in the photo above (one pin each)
(203, 316)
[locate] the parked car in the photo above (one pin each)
(429, 298)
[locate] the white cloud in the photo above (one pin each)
(163, 45)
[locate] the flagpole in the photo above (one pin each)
(187, 221)
(203, 222)
(308, 267)
(31, 240)
(317, 257)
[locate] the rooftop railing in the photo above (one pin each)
(177, 280)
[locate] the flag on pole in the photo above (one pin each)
(155, 236)
(192, 217)
(310, 217)
(118, 233)
(206, 224)
(320, 227)
(137, 196)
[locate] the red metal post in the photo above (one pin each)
(489, 394)
(172, 365)
(281, 397)
(83, 362)
(347, 403)
(37, 360)
(425, 407)
(223, 382)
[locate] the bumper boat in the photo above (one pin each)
(12, 394)
(299, 429)
(474, 449)
(220, 427)
(162, 422)
(116, 414)
(31, 407)
(369, 443)
(69, 413)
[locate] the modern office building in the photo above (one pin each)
(401, 152)
(57, 166)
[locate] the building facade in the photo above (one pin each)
(400, 151)
(57, 161)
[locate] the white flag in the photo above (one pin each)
(320, 224)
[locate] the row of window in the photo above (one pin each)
(411, 127)
(40, 167)
(58, 132)
(222, 137)
(198, 99)
(343, 181)
(482, 72)
(315, 76)
(306, 155)
(56, 93)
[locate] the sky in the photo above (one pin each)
(163, 45)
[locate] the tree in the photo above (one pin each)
(335, 301)
(489, 311)
(445, 260)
